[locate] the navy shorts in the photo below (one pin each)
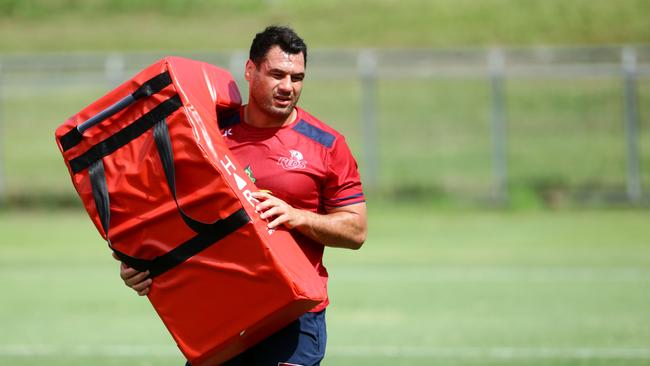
(301, 343)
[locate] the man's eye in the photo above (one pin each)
(296, 79)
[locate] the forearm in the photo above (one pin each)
(341, 229)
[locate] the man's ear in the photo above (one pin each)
(250, 67)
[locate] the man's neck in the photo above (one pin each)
(257, 118)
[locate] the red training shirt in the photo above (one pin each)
(305, 163)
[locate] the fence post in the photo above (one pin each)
(2, 146)
(631, 124)
(237, 68)
(496, 68)
(367, 65)
(114, 69)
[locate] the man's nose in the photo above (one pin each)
(285, 84)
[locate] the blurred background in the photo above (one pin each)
(503, 146)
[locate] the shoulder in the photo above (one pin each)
(316, 130)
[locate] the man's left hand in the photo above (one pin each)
(277, 212)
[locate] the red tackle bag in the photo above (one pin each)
(160, 185)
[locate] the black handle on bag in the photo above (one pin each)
(207, 233)
(166, 154)
(124, 136)
(150, 87)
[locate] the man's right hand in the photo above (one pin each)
(138, 281)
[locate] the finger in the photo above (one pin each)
(272, 212)
(138, 287)
(138, 278)
(125, 269)
(127, 272)
(144, 292)
(262, 195)
(280, 220)
(271, 202)
(141, 276)
(266, 205)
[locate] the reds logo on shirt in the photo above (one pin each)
(294, 162)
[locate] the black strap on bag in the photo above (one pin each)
(166, 154)
(126, 135)
(103, 204)
(207, 233)
(150, 87)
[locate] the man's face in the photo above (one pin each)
(276, 84)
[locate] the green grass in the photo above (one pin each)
(428, 288)
(63, 25)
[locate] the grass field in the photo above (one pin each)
(428, 288)
(64, 25)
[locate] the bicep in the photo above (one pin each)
(356, 209)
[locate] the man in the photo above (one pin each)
(308, 179)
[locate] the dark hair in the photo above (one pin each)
(273, 35)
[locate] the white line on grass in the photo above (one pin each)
(584, 353)
(87, 350)
(443, 274)
(492, 352)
